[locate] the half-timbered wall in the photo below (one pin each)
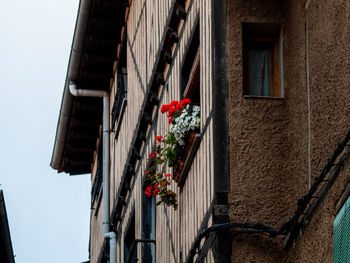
(175, 230)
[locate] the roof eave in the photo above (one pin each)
(90, 66)
(72, 75)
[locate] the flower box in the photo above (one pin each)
(184, 165)
(176, 150)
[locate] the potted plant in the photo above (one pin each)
(170, 150)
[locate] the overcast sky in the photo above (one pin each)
(48, 212)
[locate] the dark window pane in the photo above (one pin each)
(130, 250)
(148, 228)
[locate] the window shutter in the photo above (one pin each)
(341, 241)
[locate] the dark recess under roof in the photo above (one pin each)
(95, 69)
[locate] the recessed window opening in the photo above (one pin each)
(148, 228)
(122, 67)
(130, 250)
(97, 185)
(190, 87)
(121, 86)
(262, 60)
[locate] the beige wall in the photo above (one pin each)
(269, 137)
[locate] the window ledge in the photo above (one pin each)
(262, 97)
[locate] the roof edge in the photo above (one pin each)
(5, 234)
(72, 75)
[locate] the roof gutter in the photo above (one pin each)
(72, 75)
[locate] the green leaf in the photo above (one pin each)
(159, 161)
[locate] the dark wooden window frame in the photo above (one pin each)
(96, 189)
(120, 102)
(194, 78)
(192, 144)
(121, 87)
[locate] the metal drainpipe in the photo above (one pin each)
(105, 156)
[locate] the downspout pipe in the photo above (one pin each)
(105, 156)
(112, 245)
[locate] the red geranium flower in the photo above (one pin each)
(159, 138)
(165, 108)
(153, 155)
(170, 120)
(186, 101)
(168, 175)
(173, 103)
(156, 191)
(155, 185)
(171, 112)
(179, 107)
(148, 191)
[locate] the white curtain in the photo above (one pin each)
(259, 63)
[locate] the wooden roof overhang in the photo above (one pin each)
(98, 32)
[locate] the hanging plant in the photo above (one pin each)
(182, 118)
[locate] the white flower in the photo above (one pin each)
(187, 121)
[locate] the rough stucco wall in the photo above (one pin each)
(329, 38)
(260, 140)
(268, 137)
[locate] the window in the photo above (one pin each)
(341, 246)
(121, 90)
(130, 245)
(148, 228)
(190, 86)
(262, 60)
(97, 185)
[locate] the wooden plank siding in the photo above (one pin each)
(175, 230)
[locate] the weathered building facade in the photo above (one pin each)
(280, 146)
(271, 81)
(156, 44)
